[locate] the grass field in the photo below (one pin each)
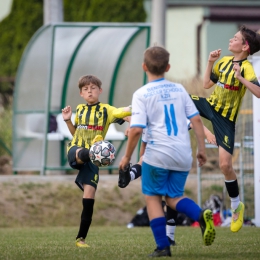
(122, 243)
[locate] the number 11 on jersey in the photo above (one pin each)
(170, 120)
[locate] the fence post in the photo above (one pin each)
(241, 171)
(198, 184)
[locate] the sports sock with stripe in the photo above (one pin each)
(171, 222)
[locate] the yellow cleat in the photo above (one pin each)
(122, 112)
(207, 227)
(237, 218)
(97, 138)
(80, 242)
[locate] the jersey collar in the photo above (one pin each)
(157, 80)
(93, 104)
(240, 61)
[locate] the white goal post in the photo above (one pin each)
(256, 127)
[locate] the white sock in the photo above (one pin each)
(235, 202)
(170, 230)
(132, 174)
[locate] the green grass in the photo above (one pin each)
(122, 243)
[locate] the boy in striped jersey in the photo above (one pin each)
(232, 75)
(91, 124)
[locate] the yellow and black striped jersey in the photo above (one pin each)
(228, 93)
(92, 120)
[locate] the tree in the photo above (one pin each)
(16, 30)
(26, 18)
(104, 11)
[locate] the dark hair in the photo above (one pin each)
(156, 59)
(252, 38)
(86, 80)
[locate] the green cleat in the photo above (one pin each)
(237, 218)
(207, 227)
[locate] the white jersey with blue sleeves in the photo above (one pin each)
(162, 107)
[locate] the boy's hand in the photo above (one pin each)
(201, 158)
(237, 69)
(123, 163)
(127, 131)
(66, 113)
(211, 139)
(214, 55)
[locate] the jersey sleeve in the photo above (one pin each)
(112, 118)
(144, 135)
(190, 108)
(249, 74)
(138, 118)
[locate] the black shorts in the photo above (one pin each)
(88, 172)
(223, 128)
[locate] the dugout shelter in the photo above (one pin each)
(53, 61)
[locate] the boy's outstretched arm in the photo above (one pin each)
(66, 114)
(122, 112)
(133, 138)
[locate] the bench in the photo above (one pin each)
(32, 128)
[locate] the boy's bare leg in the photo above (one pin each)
(154, 207)
(225, 163)
(89, 192)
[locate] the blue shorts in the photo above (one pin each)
(158, 181)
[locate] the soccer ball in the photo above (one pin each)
(102, 153)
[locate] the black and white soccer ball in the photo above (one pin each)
(102, 153)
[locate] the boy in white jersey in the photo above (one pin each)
(162, 107)
(135, 171)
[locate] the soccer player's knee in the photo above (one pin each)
(83, 155)
(225, 167)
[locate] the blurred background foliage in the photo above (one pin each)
(26, 17)
(104, 11)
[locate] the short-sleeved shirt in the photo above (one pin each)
(92, 120)
(144, 135)
(227, 96)
(163, 107)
